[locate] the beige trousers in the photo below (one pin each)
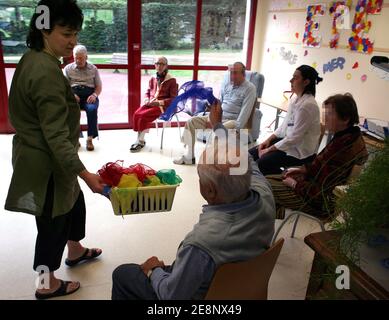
(196, 123)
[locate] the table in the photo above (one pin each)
(362, 285)
(279, 110)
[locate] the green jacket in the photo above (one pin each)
(46, 116)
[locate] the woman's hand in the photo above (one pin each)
(94, 181)
(262, 152)
(292, 172)
(290, 182)
(264, 145)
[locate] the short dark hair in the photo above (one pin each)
(345, 107)
(308, 72)
(62, 13)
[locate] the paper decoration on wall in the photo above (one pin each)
(374, 6)
(356, 65)
(338, 10)
(274, 17)
(348, 76)
(334, 64)
(288, 56)
(364, 78)
(314, 65)
(297, 35)
(359, 40)
(290, 4)
(305, 53)
(312, 26)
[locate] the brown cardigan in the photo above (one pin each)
(165, 93)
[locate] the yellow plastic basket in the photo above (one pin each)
(127, 201)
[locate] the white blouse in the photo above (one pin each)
(301, 128)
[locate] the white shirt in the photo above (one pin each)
(301, 128)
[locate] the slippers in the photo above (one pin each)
(136, 147)
(84, 257)
(60, 292)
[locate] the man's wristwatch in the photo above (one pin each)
(94, 94)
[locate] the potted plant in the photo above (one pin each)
(365, 207)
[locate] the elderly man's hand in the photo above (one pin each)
(215, 116)
(91, 99)
(151, 263)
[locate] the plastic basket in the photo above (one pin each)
(142, 199)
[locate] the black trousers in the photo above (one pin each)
(130, 283)
(53, 233)
(272, 162)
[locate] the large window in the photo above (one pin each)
(223, 33)
(200, 38)
(14, 23)
(168, 28)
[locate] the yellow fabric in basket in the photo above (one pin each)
(129, 181)
(152, 181)
(122, 199)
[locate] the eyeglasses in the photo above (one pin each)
(159, 64)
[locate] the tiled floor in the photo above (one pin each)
(134, 238)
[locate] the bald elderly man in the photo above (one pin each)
(238, 97)
(216, 239)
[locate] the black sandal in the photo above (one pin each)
(136, 147)
(84, 257)
(60, 292)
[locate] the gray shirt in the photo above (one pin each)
(238, 102)
(88, 76)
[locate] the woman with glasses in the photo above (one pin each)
(162, 90)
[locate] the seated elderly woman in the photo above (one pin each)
(162, 90)
(309, 188)
(237, 224)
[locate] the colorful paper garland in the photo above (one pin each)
(359, 41)
(309, 40)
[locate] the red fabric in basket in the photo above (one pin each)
(112, 172)
(141, 171)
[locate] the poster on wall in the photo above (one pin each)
(311, 38)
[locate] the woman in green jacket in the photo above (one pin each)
(45, 161)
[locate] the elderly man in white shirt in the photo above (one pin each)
(238, 97)
(86, 85)
(295, 142)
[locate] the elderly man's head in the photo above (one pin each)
(219, 184)
(237, 73)
(80, 55)
(161, 64)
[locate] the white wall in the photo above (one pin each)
(271, 34)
